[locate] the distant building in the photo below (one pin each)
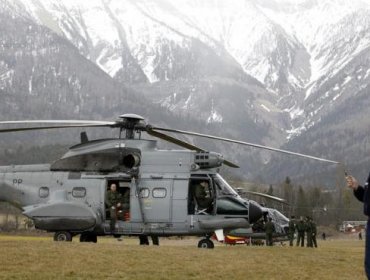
(352, 226)
(15, 221)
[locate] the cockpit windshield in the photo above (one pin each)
(222, 187)
(277, 216)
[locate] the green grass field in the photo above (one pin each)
(41, 258)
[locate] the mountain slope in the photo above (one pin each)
(279, 72)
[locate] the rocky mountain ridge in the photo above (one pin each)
(272, 72)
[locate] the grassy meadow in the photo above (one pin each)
(23, 257)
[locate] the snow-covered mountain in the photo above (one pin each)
(291, 47)
(272, 71)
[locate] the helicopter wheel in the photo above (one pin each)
(206, 243)
(62, 236)
(88, 237)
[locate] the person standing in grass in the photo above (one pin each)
(323, 236)
(308, 231)
(270, 229)
(291, 230)
(362, 193)
(314, 233)
(301, 227)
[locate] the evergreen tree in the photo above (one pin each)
(302, 207)
(288, 195)
(270, 190)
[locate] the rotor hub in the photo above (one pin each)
(131, 123)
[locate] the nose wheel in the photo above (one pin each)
(62, 236)
(206, 243)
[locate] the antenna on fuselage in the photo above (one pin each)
(84, 138)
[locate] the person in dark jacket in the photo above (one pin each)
(314, 233)
(362, 193)
(270, 229)
(114, 203)
(301, 227)
(291, 230)
(203, 199)
(323, 236)
(308, 231)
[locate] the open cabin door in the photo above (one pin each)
(201, 196)
(124, 190)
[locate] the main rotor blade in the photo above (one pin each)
(184, 144)
(244, 143)
(49, 127)
(281, 200)
(174, 140)
(230, 164)
(57, 122)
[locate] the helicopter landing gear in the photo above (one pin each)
(144, 240)
(88, 237)
(155, 240)
(206, 243)
(62, 236)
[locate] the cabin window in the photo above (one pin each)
(144, 193)
(44, 192)
(79, 192)
(159, 192)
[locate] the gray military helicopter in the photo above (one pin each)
(68, 197)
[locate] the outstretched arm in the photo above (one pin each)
(358, 190)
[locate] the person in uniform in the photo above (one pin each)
(301, 227)
(308, 231)
(269, 229)
(114, 203)
(291, 230)
(362, 193)
(323, 236)
(259, 226)
(144, 240)
(314, 233)
(203, 200)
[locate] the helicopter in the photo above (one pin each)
(68, 196)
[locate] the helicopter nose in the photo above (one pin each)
(255, 212)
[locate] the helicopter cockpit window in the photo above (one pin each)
(43, 192)
(223, 188)
(277, 216)
(78, 192)
(159, 192)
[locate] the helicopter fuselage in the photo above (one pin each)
(159, 183)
